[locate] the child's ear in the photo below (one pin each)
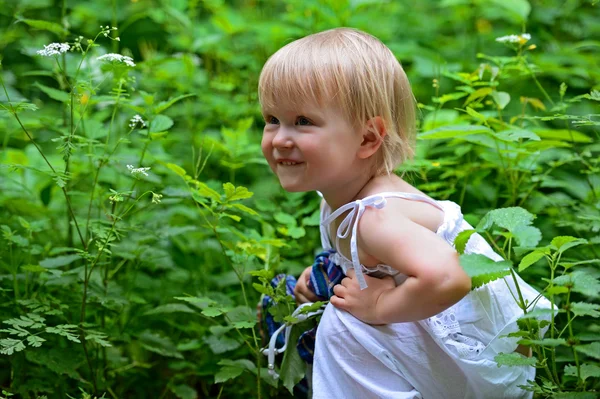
(373, 133)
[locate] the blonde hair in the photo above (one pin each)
(357, 73)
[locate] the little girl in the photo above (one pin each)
(340, 117)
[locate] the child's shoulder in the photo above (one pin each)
(416, 206)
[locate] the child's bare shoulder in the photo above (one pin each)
(396, 209)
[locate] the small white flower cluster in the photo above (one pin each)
(133, 122)
(122, 59)
(156, 198)
(519, 39)
(54, 49)
(138, 171)
(106, 30)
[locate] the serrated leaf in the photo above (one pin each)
(514, 359)
(530, 259)
(592, 350)
(221, 344)
(184, 391)
(170, 308)
(460, 243)
(233, 193)
(8, 346)
(482, 269)
(205, 191)
(59, 261)
(508, 218)
(242, 317)
(585, 309)
(562, 243)
(227, 373)
(54, 94)
(159, 344)
(160, 123)
(241, 363)
(35, 341)
(586, 371)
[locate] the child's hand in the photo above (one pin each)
(361, 303)
(302, 292)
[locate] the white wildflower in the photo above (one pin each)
(118, 58)
(133, 122)
(518, 39)
(138, 171)
(54, 49)
(156, 198)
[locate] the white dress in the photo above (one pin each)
(450, 355)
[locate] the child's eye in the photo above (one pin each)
(272, 120)
(303, 121)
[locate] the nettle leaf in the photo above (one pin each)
(482, 269)
(227, 373)
(562, 243)
(159, 344)
(527, 236)
(586, 371)
(514, 359)
(160, 123)
(184, 391)
(585, 309)
(592, 350)
(59, 261)
(221, 344)
(461, 240)
(507, 218)
(170, 308)
(242, 317)
(531, 259)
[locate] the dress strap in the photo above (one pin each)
(349, 225)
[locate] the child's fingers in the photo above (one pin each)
(340, 290)
(338, 302)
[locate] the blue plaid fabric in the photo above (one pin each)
(323, 277)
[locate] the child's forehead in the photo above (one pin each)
(285, 108)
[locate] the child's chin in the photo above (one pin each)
(293, 188)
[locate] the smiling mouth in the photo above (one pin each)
(289, 163)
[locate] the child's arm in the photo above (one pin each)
(435, 280)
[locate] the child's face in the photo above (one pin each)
(312, 148)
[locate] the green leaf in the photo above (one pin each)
(241, 363)
(54, 94)
(65, 330)
(592, 350)
(184, 391)
(507, 218)
(516, 135)
(296, 232)
(160, 123)
(59, 261)
(562, 135)
(520, 9)
(527, 236)
(35, 341)
(575, 395)
(158, 344)
(552, 342)
(177, 169)
(205, 191)
(475, 114)
(233, 193)
(530, 259)
(293, 367)
(163, 106)
(285, 219)
(227, 373)
(478, 94)
(170, 308)
(44, 25)
(586, 370)
(8, 346)
(460, 242)
(214, 312)
(514, 359)
(244, 209)
(501, 98)
(482, 269)
(34, 269)
(562, 243)
(453, 131)
(585, 309)
(242, 317)
(220, 345)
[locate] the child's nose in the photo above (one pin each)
(283, 138)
